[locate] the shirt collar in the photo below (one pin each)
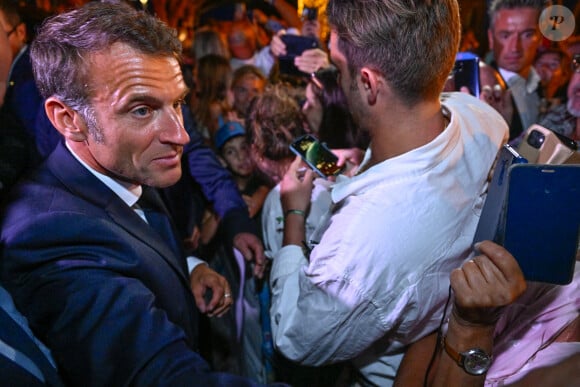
(532, 81)
(129, 193)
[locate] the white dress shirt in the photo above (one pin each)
(379, 277)
(130, 194)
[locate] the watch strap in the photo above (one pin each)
(453, 354)
(464, 359)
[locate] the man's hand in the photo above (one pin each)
(252, 249)
(486, 283)
(296, 186)
(295, 193)
(202, 280)
(312, 60)
(499, 99)
(277, 46)
(350, 158)
(495, 92)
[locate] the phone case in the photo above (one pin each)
(489, 226)
(544, 146)
(533, 211)
(542, 221)
(295, 46)
(318, 157)
(466, 72)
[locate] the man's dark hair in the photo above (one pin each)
(412, 43)
(61, 52)
(497, 5)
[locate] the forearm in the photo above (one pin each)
(461, 336)
(287, 12)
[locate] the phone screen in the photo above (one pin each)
(316, 155)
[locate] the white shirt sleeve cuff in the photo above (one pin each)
(192, 263)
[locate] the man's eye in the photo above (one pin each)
(529, 35)
(141, 111)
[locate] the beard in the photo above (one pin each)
(356, 106)
(95, 129)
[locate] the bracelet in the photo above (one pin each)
(295, 212)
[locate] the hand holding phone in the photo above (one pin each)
(544, 146)
(465, 73)
(295, 46)
(318, 157)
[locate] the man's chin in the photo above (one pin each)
(165, 179)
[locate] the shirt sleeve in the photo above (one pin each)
(192, 263)
(316, 323)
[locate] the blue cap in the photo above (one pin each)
(227, 131)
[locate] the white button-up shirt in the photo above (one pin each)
(379, 277)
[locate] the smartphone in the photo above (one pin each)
(534, 212)
(544, 146)
(317, 155)
(295, 46)
(490, 226)
(466, 72)
(542, 221)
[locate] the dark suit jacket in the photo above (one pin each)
(22, 362)
(97, 284)
(22, 95)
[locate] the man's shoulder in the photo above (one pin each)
(40, 195)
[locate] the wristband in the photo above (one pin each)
(295, 212)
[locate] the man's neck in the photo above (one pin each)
(402, 129)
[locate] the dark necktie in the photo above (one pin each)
(154, 209)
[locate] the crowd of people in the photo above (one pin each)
(157, 228)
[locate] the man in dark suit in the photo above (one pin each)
(88, 252)
(514, 38)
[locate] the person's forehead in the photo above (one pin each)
(524, 15)
(248, 78)
(235, 142)
(131, 69)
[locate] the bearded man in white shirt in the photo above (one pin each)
(377, 277)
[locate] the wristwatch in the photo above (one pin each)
(474, 361)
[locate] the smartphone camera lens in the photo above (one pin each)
(536, 139)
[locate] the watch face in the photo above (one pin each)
(476, 361)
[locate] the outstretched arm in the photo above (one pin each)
(482, 286)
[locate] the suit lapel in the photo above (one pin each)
(84, 184)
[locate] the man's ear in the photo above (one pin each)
(66, 120)
(371, 82)
(21, 32)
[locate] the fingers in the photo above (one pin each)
(221, 297)
(490, 280)
(251, 249)
(211, 291)
(311, 60)
(505, 263)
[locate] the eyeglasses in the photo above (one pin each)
(576, 63)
